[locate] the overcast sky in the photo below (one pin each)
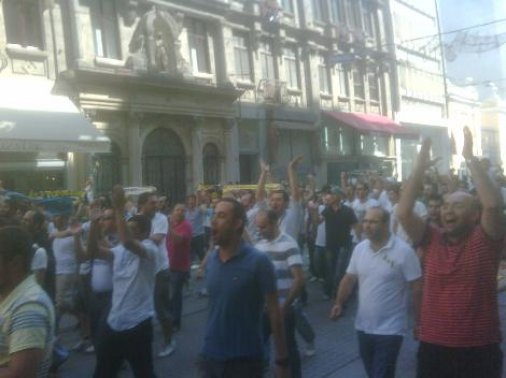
(456, 14)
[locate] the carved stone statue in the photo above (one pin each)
(155, 43)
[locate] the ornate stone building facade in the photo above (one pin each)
(196, 91)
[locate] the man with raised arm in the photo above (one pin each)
(128, 334)
(458, 325)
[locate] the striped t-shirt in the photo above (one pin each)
(459, 303)
(284, 253)
(27, 322)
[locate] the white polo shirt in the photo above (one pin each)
(133, 285)
(383, 279)
(160, 225)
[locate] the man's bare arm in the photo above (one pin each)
(492, 218)
(23, 364)
(412, 223)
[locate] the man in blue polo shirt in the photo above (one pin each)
(241, 280)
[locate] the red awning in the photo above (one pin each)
(371, 123)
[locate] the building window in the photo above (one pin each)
(324, 76)
(344, 87)
(318, 10)
(23, 24)
(107, 170)
(352, 10)
(358, 83)
(368, 21)
(242, 56)
(199, 48)
(335, 10)
(337, 140)
(374, 94)
(287, 6)
(291, 67)
(267, 60)
(211, 163)
(105, 29)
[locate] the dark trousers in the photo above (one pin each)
(235, 368)
(435, 361)
(302, 324)
(336, 262)
(379, 353)
(177, 281)
(291, 341)
(197, 247)
(100, 304)
(133, 345)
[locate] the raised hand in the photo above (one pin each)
(264, 167)
(118, 197)
(424, 160)
(467, 151)
(295, 162)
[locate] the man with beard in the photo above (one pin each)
(241, 282)
(385, 267)
(458, 326)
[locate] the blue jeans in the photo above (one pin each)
(177, 281)
(379, 353)
(291, 341)
(302, 324)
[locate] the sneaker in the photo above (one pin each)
(78, 346)
(310, 350)
(89, 349)
(168, 349)
(313, 279)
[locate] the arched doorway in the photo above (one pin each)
(107, 170)
(211, 164)
(163, 164)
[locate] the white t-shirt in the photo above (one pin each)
(160, 225)
(383, 280)
(251, 214)
(133, 285)
(101, 277)
(65, 255)
(360, 208)
(384, 201)
(39, 259)
(419, 209)
(320, 230)
(290, 221)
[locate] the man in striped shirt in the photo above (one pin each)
(26, 313)
(284, 253)
(458, 327)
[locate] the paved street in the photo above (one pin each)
(337, 353)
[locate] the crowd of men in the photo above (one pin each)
(435, 240)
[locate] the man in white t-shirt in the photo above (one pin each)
(385, 268)
(66, 268)
(147, 206)
(128, 334)
(360, 206)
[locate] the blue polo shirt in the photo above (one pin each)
(236, 302)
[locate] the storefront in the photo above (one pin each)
(360, 142)
(43, 138)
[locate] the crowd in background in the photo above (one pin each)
(114, 262)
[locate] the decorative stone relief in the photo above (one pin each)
(155, 44)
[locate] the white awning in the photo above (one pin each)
(34, 120)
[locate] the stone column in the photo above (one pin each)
(134, 150)
(197, 161)
(232, 172)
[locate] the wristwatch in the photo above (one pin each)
(282, 361)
